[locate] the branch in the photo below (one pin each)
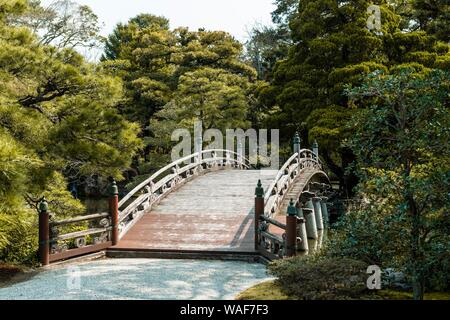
(31, 101)
(333, 166)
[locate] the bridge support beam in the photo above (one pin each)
(302, 231)
(259, 211)
(311, 226)
(44, 233)
(291, 230)
(325, 215)
(114, 211)
(318, 212)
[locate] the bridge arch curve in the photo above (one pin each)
(169, 178)
(215, 215)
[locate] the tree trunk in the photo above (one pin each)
(416, 256)
(347, 180)
(418, 280)
(337, 170)
(350, 178)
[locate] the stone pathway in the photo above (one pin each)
(136, 279)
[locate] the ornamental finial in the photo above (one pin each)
(43, 205)
(292, 210)
(259, 191)
(113, 189)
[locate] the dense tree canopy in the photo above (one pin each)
(173, 77)
(401, 146)
(332, 48)
(58, 123)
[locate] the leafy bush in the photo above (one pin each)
(378, 234)
(18, 237)
(313, 278)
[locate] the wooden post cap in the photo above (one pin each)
(259, 191)
(113, 190)
(296, 138)
(292, 210)
(43, 205)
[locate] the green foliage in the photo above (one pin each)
(122, 35)
(18, 235)
(8, 7)
(271, 290)
(433, 17)
(58, 121)
(312, 278)
(216, 97)
(268, 290)
(151, 59)
(267, 45)
(174, 77)
(285, 11)
(332, 49)
(401, 145)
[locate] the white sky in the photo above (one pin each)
(233, 16)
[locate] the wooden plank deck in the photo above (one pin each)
(212, 213)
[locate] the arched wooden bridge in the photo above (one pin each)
(211, 204)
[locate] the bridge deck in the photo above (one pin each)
(212, 213)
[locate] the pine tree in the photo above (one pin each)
(160, 69)
(333, 47)
(58, 122)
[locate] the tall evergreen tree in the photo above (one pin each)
(333, 47)
(58, 122)
(432, 16)
(160, 68)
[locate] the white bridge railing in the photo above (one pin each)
(169, 178)
(276, 192)
(271, 245)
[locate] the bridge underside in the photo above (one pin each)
(210, 214)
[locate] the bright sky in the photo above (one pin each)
(233, 16)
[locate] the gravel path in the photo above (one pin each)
(140, 279)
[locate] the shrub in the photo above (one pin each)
(18, 237)
(312, 278)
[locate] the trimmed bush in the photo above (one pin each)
(312, 278)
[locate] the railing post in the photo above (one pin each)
(297, 142)
(297, 146)
(291, 230)
(114, 211)
(315, 148)
(259, 211)
(44, 233)
(325, 215)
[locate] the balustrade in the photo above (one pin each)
(304, 217)
(101, 232)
